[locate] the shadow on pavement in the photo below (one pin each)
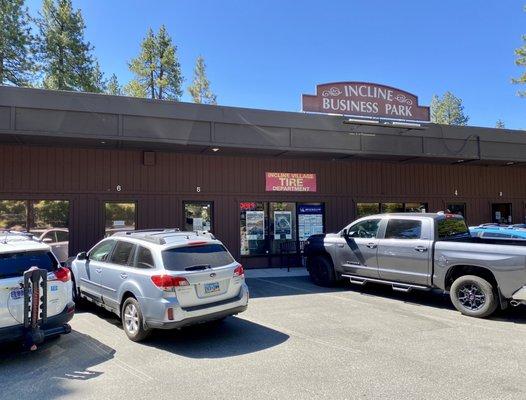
(293, 286)
(41, 373)
(218, 339)
(231, 337)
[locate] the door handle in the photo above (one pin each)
(421, 249)
(124, 276)
(371, 245)
(98, 270)
(340, 244)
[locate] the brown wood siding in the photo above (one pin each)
(88, 177)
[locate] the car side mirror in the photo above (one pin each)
(82, 256)
(345, 233)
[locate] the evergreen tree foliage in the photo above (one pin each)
(448, 110)
(113, 87)
(200, 87)
(520, 61)
(16, 44)
(157, 72)
(66, 57)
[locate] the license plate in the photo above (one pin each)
(211, 287)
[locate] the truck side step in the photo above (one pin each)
(399, 287)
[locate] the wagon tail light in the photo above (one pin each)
(62, 274)
(239, 271)
(168, 282)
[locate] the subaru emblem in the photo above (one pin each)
(212, 274)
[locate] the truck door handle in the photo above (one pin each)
(124, 276)
(421, 249)
(371, 245)
(98, 270)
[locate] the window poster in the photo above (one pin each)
(308, 225)
(255, 223)
(282, 225)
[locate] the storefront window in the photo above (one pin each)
(283, 228)
(198, 216)
(253, 224)
(119, 217)
(392, 207)
(47, 214)
(457, 208)
(365, 209)
(13, 215)
(415, 207)
(310, 221)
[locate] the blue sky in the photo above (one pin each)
(266, 53)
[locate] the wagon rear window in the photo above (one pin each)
(15, 264)
(183, 258)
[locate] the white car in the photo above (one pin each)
(161, 279)
(18, 253)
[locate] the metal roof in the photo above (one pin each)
(59, 118)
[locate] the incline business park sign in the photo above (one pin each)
(365, 100)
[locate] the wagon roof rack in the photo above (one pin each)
(22, 234)
(159, 236)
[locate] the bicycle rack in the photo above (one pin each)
(35, 305)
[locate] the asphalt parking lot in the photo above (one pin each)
(295, 341)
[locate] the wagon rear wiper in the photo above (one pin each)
(198, 267)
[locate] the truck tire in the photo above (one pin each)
(133, 321)
(474, 296)
(322, 272)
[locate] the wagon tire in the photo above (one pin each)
(474, 296)
(133, 320)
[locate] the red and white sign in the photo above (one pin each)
(290, 182)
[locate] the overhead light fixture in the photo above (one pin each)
(215, 149)
(386, 124)
(510, 163)
(361, 121)
(460, 161)
(102, 142)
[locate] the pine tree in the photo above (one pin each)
(16, 44)
(67, 59)
(448, 110)
(113, 86)
(200, 87)
(520, 61)
(500, 124)
(157, 70)
(98, 82)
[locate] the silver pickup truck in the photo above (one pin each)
(423, 251)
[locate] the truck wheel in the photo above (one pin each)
(473, 296)
(321, 271)
(132, 320)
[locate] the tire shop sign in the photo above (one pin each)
(290, 182)
(365, 99)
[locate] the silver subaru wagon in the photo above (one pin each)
(161, 279)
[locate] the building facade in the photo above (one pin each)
(95, 164)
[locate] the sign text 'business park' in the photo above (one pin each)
(365, 99)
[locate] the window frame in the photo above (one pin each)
(135, 263)
(360, 221)
(131, 257)
(202, 202)
(136, 213)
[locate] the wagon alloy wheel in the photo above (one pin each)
(474, 296)
(132, 320)
(471, 297)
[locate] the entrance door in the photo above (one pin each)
(501, 213)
